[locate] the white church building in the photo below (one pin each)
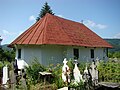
(53, 38)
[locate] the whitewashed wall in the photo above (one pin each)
(29, 53)
(52, 54)
(32, 52)
(99, 52)
(47, 54)
(85, 54)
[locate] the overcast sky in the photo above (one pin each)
(101, 16)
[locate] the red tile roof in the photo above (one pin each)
(59, 31)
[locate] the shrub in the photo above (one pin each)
(71, 66)
(82, 66)
(33, 71)
(1, 66)
(109, 71)
(114, 54)
(43, 87)
(77, 86)
(57, 75)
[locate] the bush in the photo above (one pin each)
(57, 75)
(43, 87)
(1, 66)
(109, 71)
(77, 86)
(114, 54)
(33, 71)
(6, 55)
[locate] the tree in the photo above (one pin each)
(6, 55)
(45, 9)
(1, 54)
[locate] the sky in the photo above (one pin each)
(101, 16)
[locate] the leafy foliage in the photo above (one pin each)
(79, 86)
(45, 9)
(82, 66)
(57, 73)
(33, 75)
(114, 54)
(109, 71)
(6, 55)
(39, 86)
(1, 66)
(33, 71)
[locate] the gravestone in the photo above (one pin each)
(86, 75)
(65, 71)
(76, 73)
(94, 71)
(5, 75)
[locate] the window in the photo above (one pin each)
(106, 51)
(76, 53)
(19, 53)
(92, 53)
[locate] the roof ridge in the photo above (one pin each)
(24, 33)
(31, 31)
(36, 28)
(42, 30)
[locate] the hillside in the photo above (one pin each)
(115, 43)
(4, 47)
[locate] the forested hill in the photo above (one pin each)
(115, 43)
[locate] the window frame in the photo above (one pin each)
(76, 53)
(19, 53)
(92, 53)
